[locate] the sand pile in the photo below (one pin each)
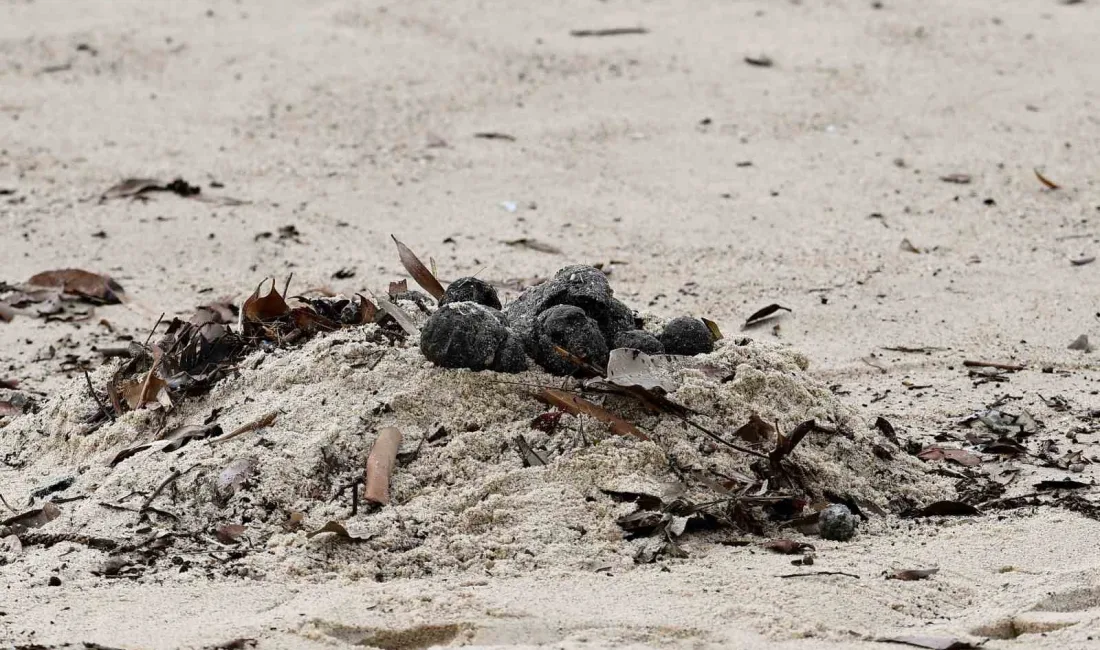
(463, 498)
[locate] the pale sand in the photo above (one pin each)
(324, 113)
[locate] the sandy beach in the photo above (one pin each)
(876, 167)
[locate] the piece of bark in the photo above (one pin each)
(380, 462)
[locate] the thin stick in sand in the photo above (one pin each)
(380, 461)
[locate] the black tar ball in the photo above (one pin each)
(469, 335)
(687, 336)
(639, 340)
(570, 328)
(471, 290)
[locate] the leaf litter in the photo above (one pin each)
(745, 435)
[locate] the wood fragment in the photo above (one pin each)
(31, 538)
(610, 31)
(380, 462)
(530, 456)
(993, 364)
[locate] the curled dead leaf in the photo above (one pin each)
(265, 306)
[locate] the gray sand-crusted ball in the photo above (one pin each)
(570, 328)
(471, 290)
(687, 336)
(639, 340)
(837, 523)
(580, 286)
(469, 335)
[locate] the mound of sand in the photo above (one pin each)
(463, 498)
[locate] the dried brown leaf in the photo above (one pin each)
(960, 456)
(577, 405)
(420, 273)
(337, 529)
(755, 431)
(95, 287)
(957, 178)
(713, 327)
(266, 306)
(127, 453)
(403, 319)
(764, 313)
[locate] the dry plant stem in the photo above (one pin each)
(160, 488)
(380, 461)
(5, 502)
(91, 391)
(264, 421)
(717, 438)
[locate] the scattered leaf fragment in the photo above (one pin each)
(1081, 343)
(534, 244)
(1046, 181)
(32, 518)
(762, 314)
(1082, 261)
(577, 405)
(911, 574)
(609, 31)
(337, 529)
(759, 60)
(947, 509)
(1064, 484)
(908, 247)
(495, 135)
(787, 546)
(403, 319)
(627, 367)
(756, 431)
(957, 178)
(929, 642)
(960, 456)
(230, 533)
(420, 273)
(713, 327)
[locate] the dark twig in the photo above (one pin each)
(91, 391)
(153, 331)
(819, 573)
(176, 474)
(286, 286)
